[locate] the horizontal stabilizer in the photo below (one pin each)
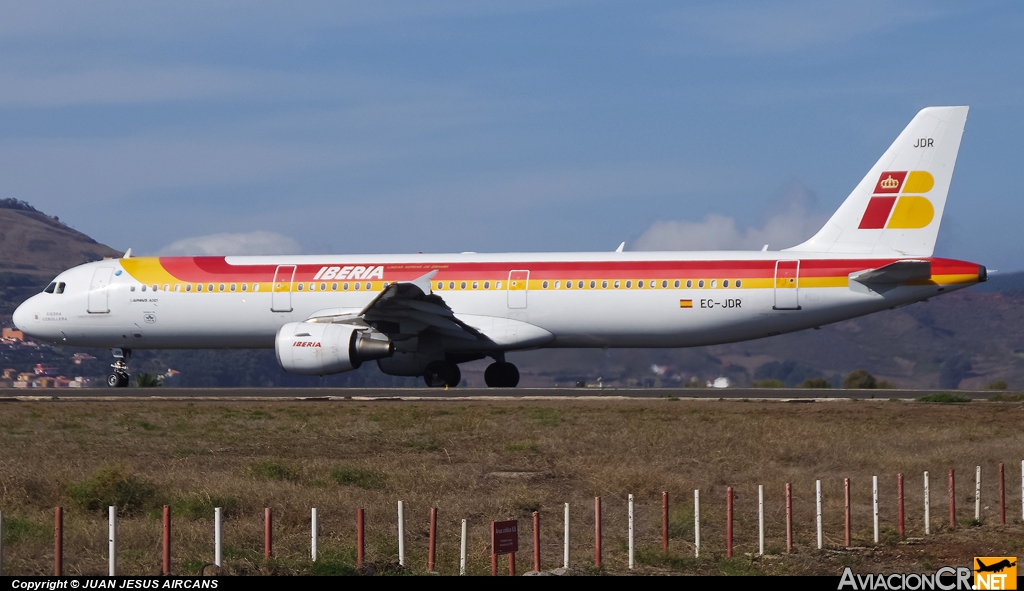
(895, 273)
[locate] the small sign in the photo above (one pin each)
(504, 537)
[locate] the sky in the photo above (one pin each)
(450, 126)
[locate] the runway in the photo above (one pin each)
(466, 394)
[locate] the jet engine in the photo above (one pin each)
(316, 349)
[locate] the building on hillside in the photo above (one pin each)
(11, 334)
(80, 357)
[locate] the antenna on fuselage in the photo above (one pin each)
(621, 246)
(764, 248)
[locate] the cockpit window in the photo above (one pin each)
(60, 287)
(50, 287)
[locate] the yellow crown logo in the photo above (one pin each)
(889, 183)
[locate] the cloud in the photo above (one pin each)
(789, 219)
(251, 243)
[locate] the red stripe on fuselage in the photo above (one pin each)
(216, 269)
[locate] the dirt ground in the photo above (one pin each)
(495, 460)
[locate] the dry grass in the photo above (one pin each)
(493, 460)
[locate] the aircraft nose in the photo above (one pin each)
(23, 315)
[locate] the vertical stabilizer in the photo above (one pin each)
(896, 209)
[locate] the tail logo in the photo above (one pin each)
(898, 201)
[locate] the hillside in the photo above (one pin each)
(33, 248)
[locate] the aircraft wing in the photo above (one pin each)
(896, 273)
(404, 310)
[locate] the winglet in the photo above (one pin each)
(423, 282)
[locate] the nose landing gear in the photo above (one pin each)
(119, 379)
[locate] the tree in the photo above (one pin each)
(860, 379)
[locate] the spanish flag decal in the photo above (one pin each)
(685, 303)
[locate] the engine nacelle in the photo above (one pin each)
(317, 349)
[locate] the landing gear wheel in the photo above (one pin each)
(442, 373)
(117, 380)
(454, 375)
(501, 374)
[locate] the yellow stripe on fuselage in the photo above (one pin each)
(148, 270)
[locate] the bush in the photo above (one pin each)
(944, 398)
(996, 385)
(816, 383)
(860, 379)
(147, 380)
(272, 470)
(769, 384)
(201, 506)
(357, 477)
(113, 485)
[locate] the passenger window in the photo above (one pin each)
(188, 287)
(487, 284)
(440, 284)
(451, 285)
(233, 287)
(739, 283)
(132, 288)
(689, 283)
(725, 283)
(579, 284)
(209, 287)
(593, 284)
(177, 287)
(664, 283)
(344, 287)
(143, 288)
(497, 285)
(334, 287)
(167, 287)
(700, 283)
(568, 284)
(255, 286)
(616, 284)
(714, 283)
(629, 285)
(357, 286)
(199, 287)
(640, 284)
(369, 286)
(462, 285)
(676, 284)
(222, 287)
(544, 285)
(557, 284)
(476, 285)
(300, 287)
(604, 284)
(245, 286)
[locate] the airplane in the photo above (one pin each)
(424, 314)
(995, 567)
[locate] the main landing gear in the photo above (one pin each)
(501, 374)
(119, 379)
(442, 373)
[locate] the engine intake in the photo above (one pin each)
(316, 349)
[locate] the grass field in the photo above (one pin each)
(495, 460)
